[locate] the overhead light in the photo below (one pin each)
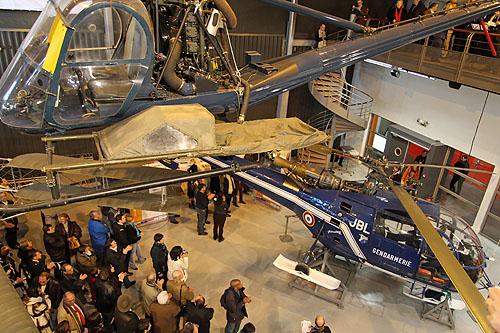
(422, 122)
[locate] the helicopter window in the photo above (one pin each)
(402, 213)
(92, 93)
(345, 206)
(396, 230)
(107, 34)
(335, 222)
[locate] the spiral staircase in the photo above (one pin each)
(347, 109)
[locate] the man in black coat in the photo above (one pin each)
(107, 293)
(55, 244)
(159, 253)
(52, 289)
(10, 224)
(202, 200)
(462, 163)
(73, 281)
(235, 300)
(198, 313)
(36, 265)
(116, 257)
(361, 12)
(126, 321)
(416, 9)
(120, 232)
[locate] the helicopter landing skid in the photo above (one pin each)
(441, 310)
(326, 261)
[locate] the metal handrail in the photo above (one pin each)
(349, 97)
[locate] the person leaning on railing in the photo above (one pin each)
(397, 13)
(361, 12)
(449, 6)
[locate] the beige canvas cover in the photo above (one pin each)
(263, 135)
(160, 129)
(190, 130)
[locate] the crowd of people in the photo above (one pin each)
(84, 287)
(446, 40)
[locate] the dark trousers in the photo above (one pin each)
(100, 257)
(454, 180)
(11, 237)
(229, 197)
(202, 218)
(219, 220)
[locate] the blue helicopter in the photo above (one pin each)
(86, 64)
(371, 223)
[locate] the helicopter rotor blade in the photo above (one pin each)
(464, 285)
(327, 18)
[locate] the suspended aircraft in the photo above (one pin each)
(89, 63)
(378, 224)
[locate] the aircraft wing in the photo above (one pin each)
(139, 200)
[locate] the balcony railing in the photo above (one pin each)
(467, 59)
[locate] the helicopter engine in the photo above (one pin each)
(192, 44)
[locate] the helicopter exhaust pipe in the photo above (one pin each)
(228, 12)
(171, 78)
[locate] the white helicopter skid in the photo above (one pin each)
(417, 291)
(314, 276)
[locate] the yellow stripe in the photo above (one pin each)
(55, 40)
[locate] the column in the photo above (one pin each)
(487, 202)
(282, 108)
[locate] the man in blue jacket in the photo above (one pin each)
(98, 232)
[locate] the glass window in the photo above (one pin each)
(93, 93)
(107, 34)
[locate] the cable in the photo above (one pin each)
(479, 122)
(232, 52)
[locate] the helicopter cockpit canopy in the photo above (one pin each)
(82, 62)
(462, 240)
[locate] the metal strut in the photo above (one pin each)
(129, 188)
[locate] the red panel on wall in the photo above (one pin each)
(475, 163)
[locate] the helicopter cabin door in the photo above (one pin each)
(350, 227)
(102, 65)
(394, 244)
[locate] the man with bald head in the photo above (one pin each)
(72, 310)
(235, 300)
(150, 288)
(181, 293)
(319, 326)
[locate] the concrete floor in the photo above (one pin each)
(374, 302)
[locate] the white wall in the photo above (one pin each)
(23, 4)
(452, 114)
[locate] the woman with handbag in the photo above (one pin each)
(71, 232)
